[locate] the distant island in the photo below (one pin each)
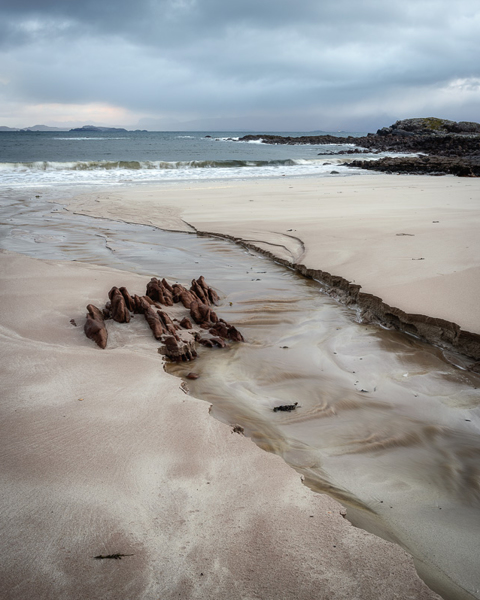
(90, 128)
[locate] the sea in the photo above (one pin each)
(30, 158)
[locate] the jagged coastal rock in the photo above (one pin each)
(178, 337)
(429, 126)
(448, 147)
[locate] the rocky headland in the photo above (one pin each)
(446, 147)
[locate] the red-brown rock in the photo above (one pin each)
(119, 308)
(198, 290)
(220, 330)
(205, 293)
(168, 323)
(179, 351)
(186, 323)
(154, 291)
(128, 299)
(152, 318)
(202, 314)
(95, 326)
(167, 285)
(211, 342)
(234, 334)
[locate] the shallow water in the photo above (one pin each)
(384, 424)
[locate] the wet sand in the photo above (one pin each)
(411, 240)
(102, 453)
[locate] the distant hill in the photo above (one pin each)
(34, 128)
(45, 128)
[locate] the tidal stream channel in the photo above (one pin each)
(386, 424)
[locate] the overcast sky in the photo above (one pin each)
(255, 64)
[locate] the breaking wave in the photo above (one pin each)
(136, 165)
(104, 171)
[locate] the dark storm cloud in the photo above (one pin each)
(206, 58)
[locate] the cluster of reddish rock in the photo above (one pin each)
(178, 336)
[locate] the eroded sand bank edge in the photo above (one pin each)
(372, 309)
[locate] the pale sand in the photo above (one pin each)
(102, 453)
(347, 226)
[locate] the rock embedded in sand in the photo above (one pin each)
(158, 292)
(186, 323)
(179, 345)
(128, 299)
(181, 294)
(178, 350)
(226, 331)
(202, 314)
(154, 322)
(212, 342)
(205, 293)
(169, 324)
(119, 308)
(95, 326)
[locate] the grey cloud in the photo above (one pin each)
(210, 57)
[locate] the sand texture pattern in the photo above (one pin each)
(102, 453)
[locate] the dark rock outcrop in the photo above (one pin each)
(429, 126)
(429, 136)
(422, 165)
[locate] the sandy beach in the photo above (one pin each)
(102, 452)
(410, 240)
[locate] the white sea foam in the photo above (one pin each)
(104, 172)
(225, 139)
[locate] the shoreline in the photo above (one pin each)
(396, 258)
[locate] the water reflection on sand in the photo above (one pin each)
(385, 424)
